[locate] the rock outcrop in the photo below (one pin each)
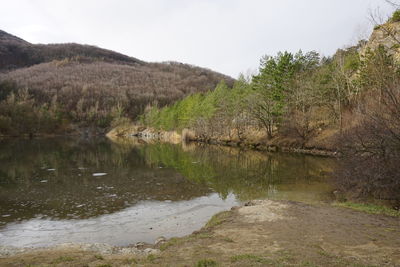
(386, 35)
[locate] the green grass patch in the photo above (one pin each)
(217, 219)
(308, 264)
(152, 258)
(228, 239)
(99, 257)
(250, 258)
(201, 236)
(131, 261)
(172, 242)
(206, 263)
(62, 259)
(369, 208)
(176, 241)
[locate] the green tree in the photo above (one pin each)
(273, 83)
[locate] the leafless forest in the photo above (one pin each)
(66, 84)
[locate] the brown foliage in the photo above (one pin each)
(371, 149)
(73, 82)
(89, 84)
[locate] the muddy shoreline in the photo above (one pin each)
(260, 233)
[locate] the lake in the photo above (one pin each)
(60, 190)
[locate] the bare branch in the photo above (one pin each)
(393, 3)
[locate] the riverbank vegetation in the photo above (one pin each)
(293, 94)
(348, 102)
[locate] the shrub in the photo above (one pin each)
(371, 147)
(371, 151)
(395, 16)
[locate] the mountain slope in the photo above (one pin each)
(87, 84)
(17, 53)
(72, 81)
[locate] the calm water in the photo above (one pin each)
(66, 190)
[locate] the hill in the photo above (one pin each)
(88, 85)
(16, 53)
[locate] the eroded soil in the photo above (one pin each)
(263, 233)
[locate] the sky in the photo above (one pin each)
(228, 36)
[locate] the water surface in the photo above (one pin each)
(66, 190)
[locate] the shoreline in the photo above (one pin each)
(266, 231)
(270, 148)
(146, 133)
(139, 248)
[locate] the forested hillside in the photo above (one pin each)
(348, 103)
(58, 87)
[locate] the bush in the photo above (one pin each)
(371, 151)
(371, 147)
(395, 16)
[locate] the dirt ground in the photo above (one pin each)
(263, 233)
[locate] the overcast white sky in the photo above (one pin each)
(228, 36)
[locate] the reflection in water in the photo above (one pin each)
(247, 174)
(62, 185)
